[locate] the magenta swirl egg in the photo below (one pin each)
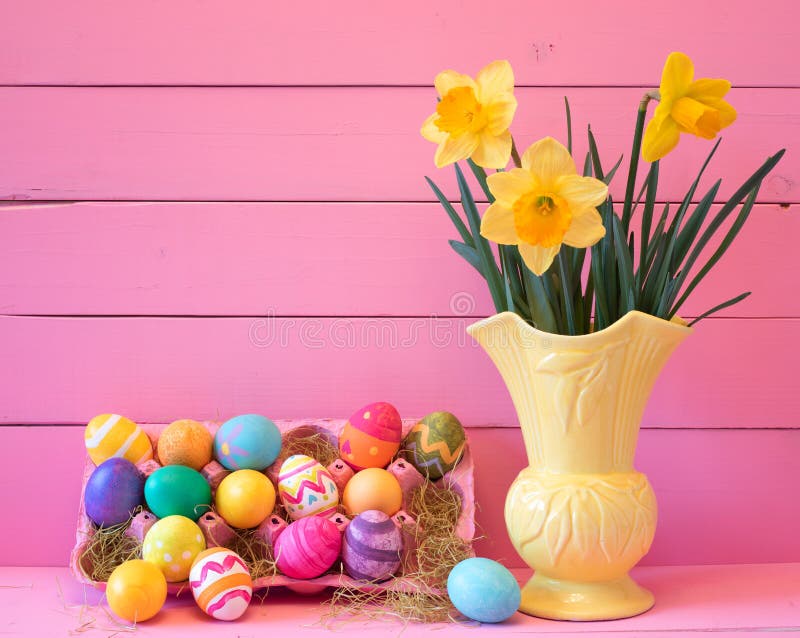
(308, 548)
(371, 547)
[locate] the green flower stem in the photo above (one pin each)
(634, 165)
(515, 153)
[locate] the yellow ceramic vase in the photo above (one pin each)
(580, 515)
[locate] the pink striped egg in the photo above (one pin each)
(372, 546)
(308, 548)
(221, 583)
(306, 488)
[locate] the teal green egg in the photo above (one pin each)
(435, 445)
(177, 490)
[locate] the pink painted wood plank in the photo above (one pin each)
(116, 258)
(309, 144)
(730, 373)
(189, 42)
(729, 600)
(732, 601)
(699, 477)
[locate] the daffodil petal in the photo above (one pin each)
(585, 230)
(497, 225)
(582, 192)
(727, 114)
(548, 160)
(455, 149)
(509, 186)
(430, 131)
(500, 113)
(677, 75)
(493, 151)
(495, 78)
(447, 80)
(660, 137)
(708, 88)
(537, 258)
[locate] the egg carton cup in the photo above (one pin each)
(460, 480)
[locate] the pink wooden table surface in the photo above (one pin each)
(728, 600)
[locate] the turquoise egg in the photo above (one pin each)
(177, 489)
(483, 590)
(247, 442)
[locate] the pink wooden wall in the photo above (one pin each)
(215, 208)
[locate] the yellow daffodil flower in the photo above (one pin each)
(544, 204)
(473, 116)
(686, 106)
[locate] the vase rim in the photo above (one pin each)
(676, 325)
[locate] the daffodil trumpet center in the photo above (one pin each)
(541, 218)
(696, 118)
(460, 112)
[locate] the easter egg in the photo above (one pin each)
(371, 436)
(372, 489)
(177, 489)
(221, 583)
(371, 546)
(483, 590)
(136, 590)
(308, 548)
(111, 435)
(185, 442)
(172, 544)
(114, 490)
(434, 445)
(247, 442)
(245, 498)
(306, 488)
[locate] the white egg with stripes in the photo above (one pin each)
(221, 583)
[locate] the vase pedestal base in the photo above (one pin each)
(568, 600)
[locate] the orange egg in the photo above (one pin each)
(372, 489)
(185, 442)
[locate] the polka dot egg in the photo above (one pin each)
(247, 442)
(306, 488)
(221, 583)
(172, 544)
(371, 436)
(112, 435)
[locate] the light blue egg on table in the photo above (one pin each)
(247, 442)
(483, 590)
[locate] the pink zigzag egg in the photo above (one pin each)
(221, 583)
(306, 488)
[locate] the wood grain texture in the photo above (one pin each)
(730, 373)
(705, 480)
(336, 259)
(327, 144)
(726, 601)
(200, 42)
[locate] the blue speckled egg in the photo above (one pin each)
(113, 491)
(483, 590)
(247, 442)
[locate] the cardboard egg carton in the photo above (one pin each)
(460, 479)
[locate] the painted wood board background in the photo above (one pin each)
(212, 210)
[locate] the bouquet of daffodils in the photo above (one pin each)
(545, 216)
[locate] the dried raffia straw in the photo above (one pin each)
(108, 548)
(311, 442)
(87, 616)
(419, 592)
(255, 552)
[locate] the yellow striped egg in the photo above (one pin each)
(221, 583)
(111, 435)
(306, 488)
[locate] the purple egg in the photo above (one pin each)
(372, 546)
(114, 490)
